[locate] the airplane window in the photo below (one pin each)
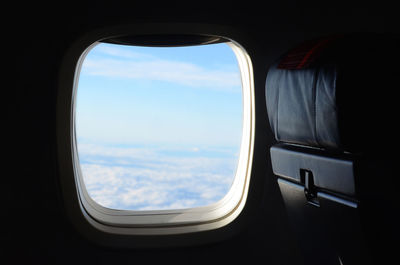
(158, 128)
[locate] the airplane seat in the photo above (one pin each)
(331, 105)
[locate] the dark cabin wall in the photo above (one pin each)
(37, 230)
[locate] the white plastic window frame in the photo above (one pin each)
(158, 222)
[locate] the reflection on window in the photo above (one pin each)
(158, 128)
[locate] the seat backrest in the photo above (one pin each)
(331, 105)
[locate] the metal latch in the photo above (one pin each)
(310, 191)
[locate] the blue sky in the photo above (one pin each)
(158, 128)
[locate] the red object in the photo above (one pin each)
(305, 54)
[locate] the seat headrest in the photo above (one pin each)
(336, 92)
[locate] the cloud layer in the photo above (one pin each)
(121, 63)
(138, 178)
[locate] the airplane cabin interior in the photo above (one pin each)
(317, 171)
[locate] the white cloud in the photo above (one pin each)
(142, 195)
(156, 181)
(90, 149)
(177, 72)
(117, 51)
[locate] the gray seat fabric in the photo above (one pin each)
(335, 93)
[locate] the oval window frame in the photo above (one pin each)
(91, 218)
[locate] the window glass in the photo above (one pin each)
(158, 128)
